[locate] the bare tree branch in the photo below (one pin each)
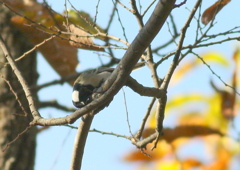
(20, 78)
(144, 91)
(80, 141)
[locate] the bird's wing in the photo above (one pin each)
(103, 69)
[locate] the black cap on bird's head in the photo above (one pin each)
(81, 94)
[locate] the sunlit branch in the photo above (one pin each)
(124, 6)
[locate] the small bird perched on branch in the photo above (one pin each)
(89, 81)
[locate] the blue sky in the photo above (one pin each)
(104, 152)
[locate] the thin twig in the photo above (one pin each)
(121, 24)
(95, 17)
(16, 96)
(149, 6)
(14, 140)
(124, 6)
(215, 74)
(102, 132)
(111, 133)
(35, 47)
(144, 120)
(125, 104)
(111, 17)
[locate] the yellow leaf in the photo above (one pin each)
(214, 116)
(184, 99)
(209, 58)
(215, 58)
(176, 102)
(169, 165)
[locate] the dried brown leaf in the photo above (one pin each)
(212, 11)
(59, 53)
(81, 39)
(183, 131)
(228, 99)
(228, 105)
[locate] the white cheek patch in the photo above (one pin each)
(75, 96)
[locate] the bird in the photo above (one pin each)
(89, 81)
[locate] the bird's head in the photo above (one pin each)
(81, 94)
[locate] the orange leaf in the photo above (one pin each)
(162, 150)
(137, 155)
(190, 163)
(222, 162)
(212, 11)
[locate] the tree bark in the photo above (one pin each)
(19, 154)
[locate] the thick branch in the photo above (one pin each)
(138, 46)
(80, 141)
(144, 91)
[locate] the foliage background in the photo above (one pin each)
(108, 152)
